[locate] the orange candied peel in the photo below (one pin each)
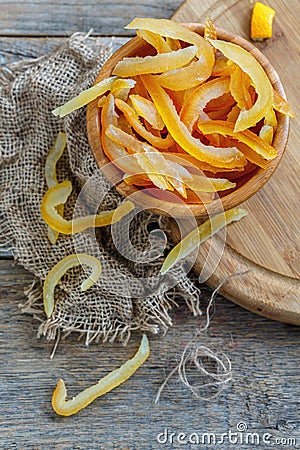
(259, 78)
(57, 272)
(118, 376)
(261, 21)
(130, 67)
(225, 157)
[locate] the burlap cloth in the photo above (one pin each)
(127, 297)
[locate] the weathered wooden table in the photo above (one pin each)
(264, 394)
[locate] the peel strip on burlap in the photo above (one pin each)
(28, 92)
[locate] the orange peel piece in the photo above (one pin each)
(281, 105)
(106, 384)
(174, 30)
(224, 157)
(84, 97)
(261, 22)
(157, 41)
(133, 120)
(114, 151)
(246, 137)
(59, 194)
(162, 174)
(146, 109)
(193, 107)
(159, 63)
(54, 155)
(199, 235)
(239, 83)
(187, 77)
(57, 272)
(260, 80)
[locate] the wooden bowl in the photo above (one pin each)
(248, 184)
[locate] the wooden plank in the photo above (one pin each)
(264, 393)
(14, 49)
(49, 17)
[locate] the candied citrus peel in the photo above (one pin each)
(246, 137)
(59, 194)
(65, 407)
(53, 156)
(133, 120)
(225, 157)
(57, 272)
(261, 22)
(129, 67)
(171, 29)
(199, 235)
(193, 107)
(259, 78)
(84, 97)
(146, 109)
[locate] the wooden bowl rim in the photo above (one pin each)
(162, 207)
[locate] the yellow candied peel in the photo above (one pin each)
(59, 194)
(129, 67)
(57, 272)
(199, 235)
(65, 407)
(84, 97)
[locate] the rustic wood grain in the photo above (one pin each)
(61, 18)
(265, 354)
(263, 394)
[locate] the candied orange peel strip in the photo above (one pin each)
(114, 151)
(171, 29)
(146, 109)
(259, 78)
(220, 157)
(53, 156)
(59, 194)
(157, 41)
(246, 137)
(186, 77)
(84, 97)
(199, 235)
(129, 67)
(153, 162)
(133, 120)
(65, 407)
(192, 109)
(281, 105)
(57, 272)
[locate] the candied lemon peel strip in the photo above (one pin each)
(57, 272)
(199, 235)
(84, 97)
(260, 80)
(65, 407)
(53, 156)
(59, 194)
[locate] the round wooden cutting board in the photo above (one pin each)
(266, 242)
